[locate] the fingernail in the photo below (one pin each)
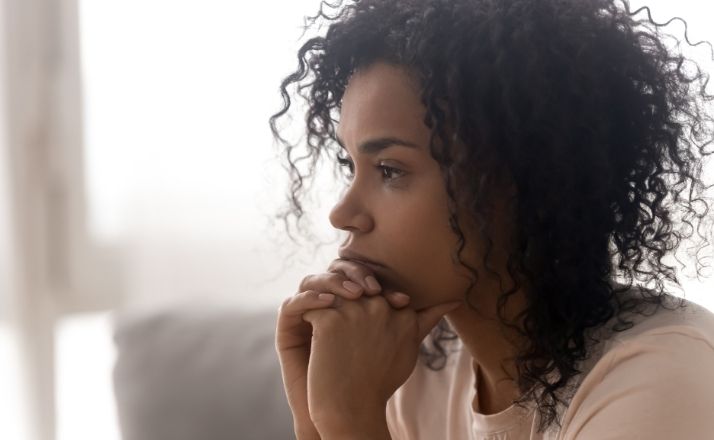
(325, 297)
(372, 283)
(402, 296)
(352, 287)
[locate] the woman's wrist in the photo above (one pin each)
(306, 433)
(372, 428)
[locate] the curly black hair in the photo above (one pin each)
(595, 119)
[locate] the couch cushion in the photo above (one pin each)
(199, 372)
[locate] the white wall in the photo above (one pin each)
(181, 166)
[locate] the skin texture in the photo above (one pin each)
(399, 218)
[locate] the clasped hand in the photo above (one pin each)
(342, 358)
(362, 351)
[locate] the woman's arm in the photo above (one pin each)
(370, 426)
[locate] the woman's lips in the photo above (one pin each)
(374, 266)
(348, 254)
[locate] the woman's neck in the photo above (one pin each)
(493, 348)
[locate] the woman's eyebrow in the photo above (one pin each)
(373, 146)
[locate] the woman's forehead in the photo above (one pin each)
(381, 101)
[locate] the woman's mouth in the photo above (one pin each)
(359, 258)
(371, 265)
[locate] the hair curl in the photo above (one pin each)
(595, 119)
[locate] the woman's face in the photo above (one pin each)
(396, 216)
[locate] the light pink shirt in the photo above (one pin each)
(654, 381)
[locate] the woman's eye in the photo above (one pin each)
(346, 163)
(387, 173)
(390, 173)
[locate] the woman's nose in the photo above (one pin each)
(349, 214)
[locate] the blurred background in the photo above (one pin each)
(138, 174)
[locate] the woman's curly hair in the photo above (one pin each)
(597, 122)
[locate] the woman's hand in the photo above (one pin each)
(362, 351)
(345, 280)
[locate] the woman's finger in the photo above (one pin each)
(358, 273)
(397, 300)
(333, 282)
(291, 331)
(299, 303)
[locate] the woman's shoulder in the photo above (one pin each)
(678, 335)
(653, 380)
(659, 338)
(681, 318)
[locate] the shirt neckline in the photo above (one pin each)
(491, 423)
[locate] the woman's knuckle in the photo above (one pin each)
(288, 304)
(377, 303)
(283, 305)
(350, 269)
(307, 279)
(334, 265)
(309, 294)
(335, 277)
(393, 302)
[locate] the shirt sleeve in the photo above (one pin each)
(656, 386)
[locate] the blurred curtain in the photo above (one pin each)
(44, 255)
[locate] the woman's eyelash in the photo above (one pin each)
(346, 163)
(395, 173)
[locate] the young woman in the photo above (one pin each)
(508, 161)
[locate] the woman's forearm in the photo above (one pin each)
(341, 428)
(306, 433)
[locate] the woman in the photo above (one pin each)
(507, 161)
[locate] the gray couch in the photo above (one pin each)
(199, 372)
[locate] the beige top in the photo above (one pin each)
(653, 381)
